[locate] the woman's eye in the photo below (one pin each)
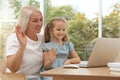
(41, 19)
(35, 21)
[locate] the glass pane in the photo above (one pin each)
(5, 30)
(5, 10)
(9, 8)
(8, 14)
(111, 18)
(82, 18)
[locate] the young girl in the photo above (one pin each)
(57, 47)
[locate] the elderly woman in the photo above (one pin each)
(24, 46)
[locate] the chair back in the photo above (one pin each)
(8, 75)
(2, 66)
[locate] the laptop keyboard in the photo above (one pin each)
(83, 64)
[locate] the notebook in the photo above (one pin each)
(104, 50)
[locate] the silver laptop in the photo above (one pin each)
(104, 50)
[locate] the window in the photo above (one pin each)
(111, 18)
(8, 14)
(82, 18)
(86, 21)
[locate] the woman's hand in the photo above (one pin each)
(14, 61)
(21, 36)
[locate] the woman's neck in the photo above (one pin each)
(32, 36)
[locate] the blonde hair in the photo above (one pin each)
(50, 26)
(24, 16)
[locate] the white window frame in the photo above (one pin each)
(42, 10)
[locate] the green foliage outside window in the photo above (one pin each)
(81, 30)
(7, 28)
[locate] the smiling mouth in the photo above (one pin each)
(37, 28)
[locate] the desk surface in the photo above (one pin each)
(12, 76)
(93, 73)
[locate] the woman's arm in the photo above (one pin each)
(14, 61)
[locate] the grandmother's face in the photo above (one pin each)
(35, 23)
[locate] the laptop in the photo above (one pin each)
(104, 50)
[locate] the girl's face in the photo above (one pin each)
(35, 23)
(59, 30)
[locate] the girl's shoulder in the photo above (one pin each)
(49, 43)
(48, 46)
(68, 43)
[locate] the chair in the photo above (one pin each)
(2, 66)
(8, 75)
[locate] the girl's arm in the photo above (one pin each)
(75, 59)
(49, 57)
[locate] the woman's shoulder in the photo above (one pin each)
(12, 36)
(40, 35)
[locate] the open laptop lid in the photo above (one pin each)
(105, 50)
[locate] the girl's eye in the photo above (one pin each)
(63, 29)
(58, 29)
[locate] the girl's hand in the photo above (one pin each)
(52, 54)
(67, 62)
(21, 36)
(49, 57)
